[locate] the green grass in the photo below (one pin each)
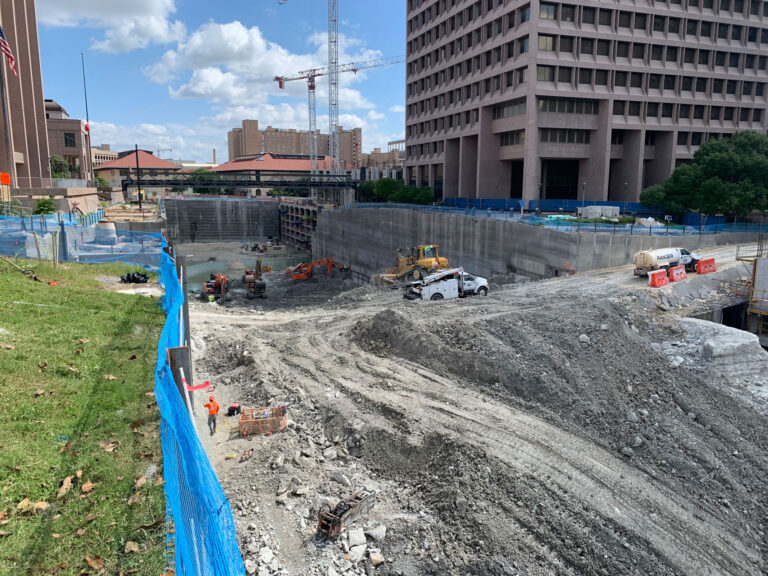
(57, 409)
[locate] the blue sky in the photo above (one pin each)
(180, 73)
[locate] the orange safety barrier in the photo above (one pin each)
(658, 279)
(706, 266)
(677, 274)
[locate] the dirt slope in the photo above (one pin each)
(542, 430)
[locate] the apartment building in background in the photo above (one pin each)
(26, 106)
(380, 164)
(250, 140)
(588, 100)
(68, 138)
(102, 154)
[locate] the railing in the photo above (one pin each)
(36, 183)
(570, 227)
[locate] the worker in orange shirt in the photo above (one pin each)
(213, 411)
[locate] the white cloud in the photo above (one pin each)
(128, 25)
(397, 109)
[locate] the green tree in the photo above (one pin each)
(45, 206)
(199, 177)
(100, 182)
(59, 167)
(727, 176)
(366, 191)
(386, 188)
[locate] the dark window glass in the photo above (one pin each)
(588, 16)
(619, 106)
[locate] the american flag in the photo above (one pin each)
(5, 48)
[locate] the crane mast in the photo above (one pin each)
(333, 85)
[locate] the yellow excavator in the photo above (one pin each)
(422, 261)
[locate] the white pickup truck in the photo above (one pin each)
(666, 258)
(449, 283)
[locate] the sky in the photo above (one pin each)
(179, 74)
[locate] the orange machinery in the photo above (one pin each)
(304, 271)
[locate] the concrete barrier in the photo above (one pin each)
(221, 219)
(367, 239)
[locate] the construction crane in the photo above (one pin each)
(333, 85)
(310, 76)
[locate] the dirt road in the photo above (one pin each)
(536, 431)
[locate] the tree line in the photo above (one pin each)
(728, 175)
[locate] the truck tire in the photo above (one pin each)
(482, 291)
(437, 296)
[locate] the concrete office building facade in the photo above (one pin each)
(250, 140)
(576, 100)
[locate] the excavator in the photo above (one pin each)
(255, 287)
(422, 261)
(215, 287)
(304, 271)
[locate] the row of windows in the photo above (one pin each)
(509, 109)
(568, 105)
(616, 80)
(514, 138)
(686, 111)
(563, 136)
(713, 60)
(468, 14)
(646, 81)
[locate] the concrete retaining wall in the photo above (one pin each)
(150, 227)
(221, 219)
(367, 239)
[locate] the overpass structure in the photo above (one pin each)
(251, 179)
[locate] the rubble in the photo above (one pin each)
(499, 441)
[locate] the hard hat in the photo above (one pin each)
(210, 397)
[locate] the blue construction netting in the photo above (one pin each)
(205, 537)
(512, 204)
(77, 239)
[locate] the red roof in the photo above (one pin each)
(147, 161)
(272, 163)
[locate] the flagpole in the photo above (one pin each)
(7, 126)
(87, 122)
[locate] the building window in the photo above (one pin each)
(640, 21)
(666, 110)
(564, 75)
(567, 13)
(563, 136)
(634, 108)
(674, 25)
(657, 52)
(636, 80)
(654, 81)
(509, 109)
(603, 48)
(566, 44)
(522, 75)
(617, 137)
(685, 111)
(601, 77)
(69, 140)
(585, 76)
(728, 114)
(522, 45)
(588, 16)
(525, 13)
(696, 139)
(714, 113)
(546, 43)
(704, 57)
(568, 105)
(744, 115)
(547, 11)
(625, 19)
(653, 110)
(619, 106)
(514, 138)
(682, 138)
(545, 73)
(622, 49)
(620, 79)
(650, 138)
(638, 51)
(587, 46)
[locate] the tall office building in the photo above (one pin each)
(572, 100)
(250, 140)
(25, 98)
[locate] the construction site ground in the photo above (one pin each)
(582, 425)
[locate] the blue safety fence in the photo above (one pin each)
(75, 239)
(634, 208)
(573, 227)
(205, 538)
(513, 204)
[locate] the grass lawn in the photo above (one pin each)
(80, 460)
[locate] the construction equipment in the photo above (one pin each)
(422, 261)
(255, 287)
(304, 271)
(332, 522)
(310, 76)
(217, 286)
